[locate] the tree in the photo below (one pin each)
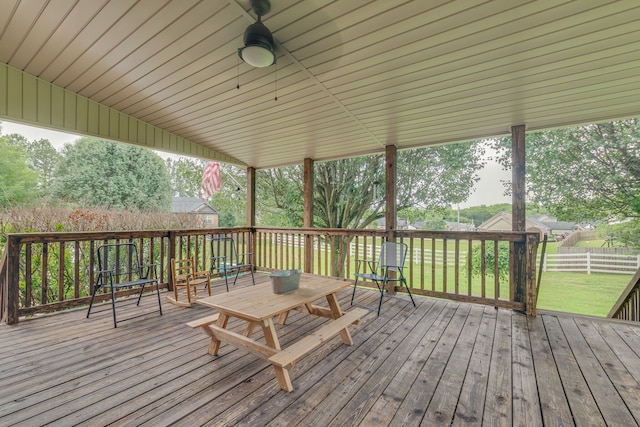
(108, 174)
(44, 159)
(479, 214)
(583, 173)
(349, 193)
(18, 183)
(186, 176)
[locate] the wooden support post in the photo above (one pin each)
(518, 195)
(251, 196)
(391, 176)
(251, 211)
(390, 191)
(172, 255)
(530, 275)
(13, 279)
(308, 214)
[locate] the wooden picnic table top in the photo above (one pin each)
(257, 303)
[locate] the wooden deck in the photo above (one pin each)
(439, 364)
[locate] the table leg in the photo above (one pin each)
(270, 336)
(249, 330)
(214, 345)
(332, 299)
(282, 317)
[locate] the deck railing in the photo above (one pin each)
(628, 305)
(44, 272)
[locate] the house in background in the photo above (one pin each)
(459, 226)
(543, 224)
(192, 205)
(502, 221)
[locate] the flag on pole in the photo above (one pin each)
(210, 180)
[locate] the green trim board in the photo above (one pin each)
(32, 101)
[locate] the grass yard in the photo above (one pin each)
(590, 294)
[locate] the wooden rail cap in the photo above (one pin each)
(295, 351)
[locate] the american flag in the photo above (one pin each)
(210, 180)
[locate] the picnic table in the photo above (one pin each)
(258, 306)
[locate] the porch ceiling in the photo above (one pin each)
(352, 76)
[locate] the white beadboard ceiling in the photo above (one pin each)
(352, 76)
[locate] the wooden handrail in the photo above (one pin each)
(628, 305)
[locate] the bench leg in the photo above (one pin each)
(284, 380)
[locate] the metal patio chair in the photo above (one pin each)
(391, 260)
(119, 269)
(225, 259)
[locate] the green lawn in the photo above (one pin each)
(591, 294)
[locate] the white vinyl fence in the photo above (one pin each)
(586, 262)
(592, 263)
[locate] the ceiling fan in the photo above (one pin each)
(259, 48)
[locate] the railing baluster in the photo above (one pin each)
(61, 251)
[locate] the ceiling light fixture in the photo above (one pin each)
(259, 49)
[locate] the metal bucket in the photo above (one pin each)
(285, 281)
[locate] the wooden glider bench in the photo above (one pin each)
(281, 359)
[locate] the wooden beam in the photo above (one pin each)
(391, 177)
(390, 190)
(12, 280)
(251, 196)
(518, 190)
(308, 214)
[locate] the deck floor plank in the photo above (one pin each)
(443, 362)
(365, 384)
(441, 409)
(413, 407)
(583, 406)
(620, 376)
(609, 401)
(553, 401)
(526, 403)
(473, 394)
(498, 403)
(385, 408)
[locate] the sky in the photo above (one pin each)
(488, 191)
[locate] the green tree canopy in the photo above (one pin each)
(45, 159)
(349, 193)
(18, 183)
(42, 158)
(108, 174)
(186, 176)
(583, 173)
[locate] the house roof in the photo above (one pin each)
(352, 76)
(531, 222)
(191, 205)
